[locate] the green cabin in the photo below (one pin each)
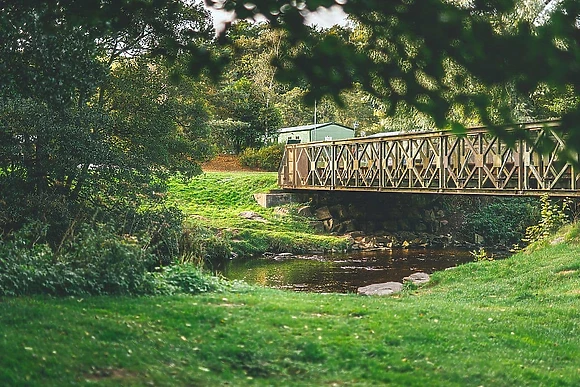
(316, 132)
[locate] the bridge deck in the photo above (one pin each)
(434, 162)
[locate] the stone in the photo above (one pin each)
(382, 289)
(329, 224)
(251, 215)
(268, 200)
(305, 211)
(339, 211)
(282, 256)
(317, 225)
(417, 278)
(323, 213)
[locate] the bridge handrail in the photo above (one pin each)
(439, 161)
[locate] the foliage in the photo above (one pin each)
(225, 134)
(159, 125)
(553, 217)
(96, 261)
(160, 228)
(464, 61)
(501, 221)
(266, 158)
(201, 245)
(241, 102)
(189, 278)
(481, 255)
(87, 133)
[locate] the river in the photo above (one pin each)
(342, 273)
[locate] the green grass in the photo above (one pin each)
(216, 199)
(513, 322)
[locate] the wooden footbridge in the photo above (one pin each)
(434, 162)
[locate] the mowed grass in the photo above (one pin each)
(216, 199)
(514, 322)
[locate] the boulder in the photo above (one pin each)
(305, 211)
(417, 278)
(317, 226)
(329, 224)
(383, 289)
(251, 215)
(323, 213)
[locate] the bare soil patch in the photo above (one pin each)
(224, 163)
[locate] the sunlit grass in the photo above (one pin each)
(500, 323)
(216, 200)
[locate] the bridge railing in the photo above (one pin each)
(435, 162)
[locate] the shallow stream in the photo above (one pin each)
(342, 273)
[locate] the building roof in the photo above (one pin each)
(310, 127)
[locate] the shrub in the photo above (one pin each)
(108, 263)
(267, 158)
(203, 246)
(504, 220)
(96, 261)
(161, 228)
(553, 216)
(189, 278)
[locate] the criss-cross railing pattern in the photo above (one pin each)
(438, 162)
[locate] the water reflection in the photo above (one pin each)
(342, 273)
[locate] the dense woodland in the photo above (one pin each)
(101, 102)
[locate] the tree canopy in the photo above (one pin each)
(432, 54)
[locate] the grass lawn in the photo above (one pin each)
(512, 322)
(215, 200)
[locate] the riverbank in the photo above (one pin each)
(224, 203)
(492, 323)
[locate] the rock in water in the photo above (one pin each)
(383, 289)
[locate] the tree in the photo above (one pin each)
(72, 149)
(241, 102)
(408, 44)
(161, 125)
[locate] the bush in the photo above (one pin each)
(161, 228)
(96, 261)
(267, 159)
(502, 221)
(188, 278)
(553, 216)
(202, 246)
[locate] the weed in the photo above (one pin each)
(481, 255)
(553, 216)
